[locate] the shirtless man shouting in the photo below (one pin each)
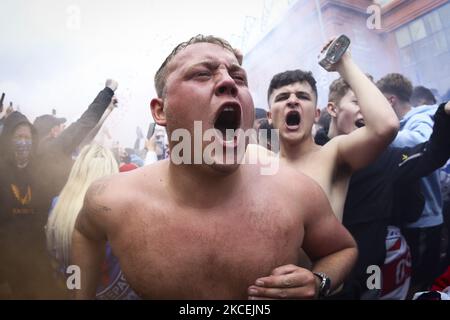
(292, 98)
(206, 231)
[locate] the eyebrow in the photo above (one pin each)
(212, 65)
(289, 93)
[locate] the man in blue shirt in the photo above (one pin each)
(416, 126)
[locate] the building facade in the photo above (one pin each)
(411, 37)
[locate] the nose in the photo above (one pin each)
(292, 102)
(226, 86)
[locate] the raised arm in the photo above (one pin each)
(362, 146)
(71, 137)
(88, 242)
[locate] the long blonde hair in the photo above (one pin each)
(93, 162)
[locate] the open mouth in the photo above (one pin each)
(229, 117)
(293, 119)
(359, 123)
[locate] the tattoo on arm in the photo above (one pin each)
(98, 188)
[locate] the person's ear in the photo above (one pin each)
(317, 116)
(54, 131)
(331, 108)
(392, 100)
(158, 112)
(269, 117)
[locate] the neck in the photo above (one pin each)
(401, 109)
(294, 151)
(201, 186)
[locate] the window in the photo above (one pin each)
(407, 56)
(444, 12)
(440, 43)
(417, 29)
(424, 48)
(403, 37)
(425, 39)
(433, 22)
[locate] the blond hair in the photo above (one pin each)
(93, 162)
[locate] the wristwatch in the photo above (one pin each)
(325, 284)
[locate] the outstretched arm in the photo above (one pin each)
(362, 146)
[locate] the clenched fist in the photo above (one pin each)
(112, 84)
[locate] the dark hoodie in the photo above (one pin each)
(25, 199)
(16, 183)
(24, 261)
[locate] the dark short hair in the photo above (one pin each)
(397, 84)
(289, 77)
(161, 74)
(421, 93)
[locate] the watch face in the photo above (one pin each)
(325, 284)
(326, 287)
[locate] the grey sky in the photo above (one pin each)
(57, 54)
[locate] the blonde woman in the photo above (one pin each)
(93, 162)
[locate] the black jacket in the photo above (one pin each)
(55, 154)
(22, 219)
(14, 182)
(25, 199)
(373, 197)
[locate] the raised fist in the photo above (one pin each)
(112, 84)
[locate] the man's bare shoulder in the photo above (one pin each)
(300, 189)
(110, 200)
(117, 190)
(290, 181)
(103, 194)
(327, 156)
(331, 147)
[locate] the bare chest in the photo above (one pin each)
(216, 253)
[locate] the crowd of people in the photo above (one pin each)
(361, 183)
